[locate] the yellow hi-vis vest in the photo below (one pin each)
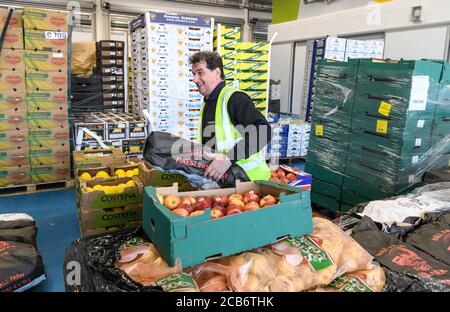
(227, 136)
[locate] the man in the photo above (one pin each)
(229, 122)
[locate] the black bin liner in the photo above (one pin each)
(89, 265)
(169, 152)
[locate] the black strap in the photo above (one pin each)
(5, 28)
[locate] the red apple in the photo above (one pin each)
(235, 196)
(291, 177)
(188, 200)
(216, 213)
(172, 201)
(251, 206)
(220, 200)
(218, 207)
(238, 202)
(232, 206)
(252, 197)
(196, 213)
(233, 211)
(267, 200)
(202, 203)
(181, 212)
(186, 206)
(281, 173)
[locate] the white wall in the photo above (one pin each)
(363, 20)
(319, 8)
(281, 69)
(298, 76)
(430, 43)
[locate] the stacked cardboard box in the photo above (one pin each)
(111, 67)
(371, 127)
(46, 35)
(125, 131)
(162, 81)
(14, 146)
(290, 138)
(87, 95)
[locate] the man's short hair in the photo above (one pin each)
(212, 60)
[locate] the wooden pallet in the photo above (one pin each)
(37, 187)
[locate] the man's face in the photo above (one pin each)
(205, 79)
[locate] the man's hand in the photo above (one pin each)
(218, 167)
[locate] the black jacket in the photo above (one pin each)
(243, 112)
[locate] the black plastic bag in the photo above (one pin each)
(170, 152)
(96, 257)
(21, 265)
(432, 238)
(402, 258)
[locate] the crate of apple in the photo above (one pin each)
(282, 176)
(221, 205)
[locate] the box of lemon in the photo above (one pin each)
(109, 217)
(98, 158)
(109, 194)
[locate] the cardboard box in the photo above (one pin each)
(152, 177)
(98, 158)
(14, 22)
(14, 140)
(54, 110)
(100, 200)
(46, 81)
(50, 173)
(14, 176)
(48, 158)
(102, 218)
(18, 124)
(13, 101)
(194, 240)
(42, 40)
(47, 100)
(13, 39)
(12, 80)
(45, 61)
(49, 146)
(45, 19)
(303, 179)
(110, 229)
(12, 60)
(60, 123)
(14, 158)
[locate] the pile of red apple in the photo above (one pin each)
(281, 176)
(220, 205)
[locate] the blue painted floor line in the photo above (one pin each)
(57, 227)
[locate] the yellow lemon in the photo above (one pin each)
(131, 183)
(136, 171)
(130, 173)
(120, 173)
(119, 209)
(108, 189)
(89, 189)
(97, 187)
(102, 174)
(85, 176)
(120, 188)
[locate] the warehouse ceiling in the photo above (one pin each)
(257, 5)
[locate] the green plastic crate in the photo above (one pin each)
(324, 174)
(325, 201)
(194, 240)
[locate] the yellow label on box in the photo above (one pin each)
(385, 108)
(382, 126)
(319, 130)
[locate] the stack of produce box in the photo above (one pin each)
(371, 142)
(46, 34)
(251, 71)
(109, 194)
(162, 81)
(122, 130)
(441, 123)
(391, 128)
(111, 67)
(225, 41)
(290, 138)
(14, 146)
(87, 95)
(330, 130)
